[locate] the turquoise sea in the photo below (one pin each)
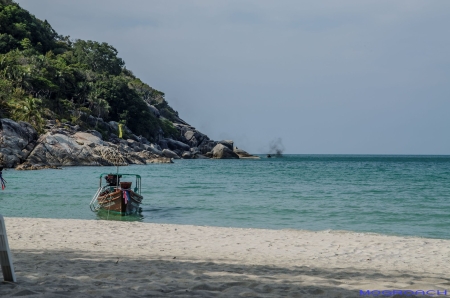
(396, 195)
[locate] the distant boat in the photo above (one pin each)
(269, 156)
(116, 196)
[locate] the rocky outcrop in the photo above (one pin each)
(177, 145)
(17, 140)
(170, 154)
(65, 144)
(187, 155)
(61, 148)
(153, 149)
(227, 143)
(154, 110)
(207, 146)
(223, 152)
(244, 154)
(191, 136)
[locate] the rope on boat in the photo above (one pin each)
(2, 181)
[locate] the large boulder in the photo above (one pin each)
(170, 154)
(227, 143)
(194, 138)
(64, 149)
(153, 149)
(189, 134)
(244, 154)
(154, 110)
(95, 133)
(174, 145)
(187, 155)
(145, 157)
(163, 144)
(223, 152)
(17, 140)
(207, 146)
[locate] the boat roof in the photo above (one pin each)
(122, 174)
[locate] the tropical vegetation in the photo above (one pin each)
(44, 75)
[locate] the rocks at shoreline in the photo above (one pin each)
(17, 140)
(67, 145)
(221, 151)
(244, 154)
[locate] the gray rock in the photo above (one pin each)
(134, 137)
(189, 134)
(227, 143)
(114, 127)
(174, 145)
(154, 110)
(156, 146)
(195, 150)
(170, 154)
(163, 144)
(16, 141)
(153, 150)
(207, 146)
(20, 147)
(221, 151)
(144, 140)
(95, 133)
(187, 155)
(244, 154)
(179, 120)
(66, 150)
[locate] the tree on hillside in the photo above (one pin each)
(27, 109)
(100, 57)
(19, 28)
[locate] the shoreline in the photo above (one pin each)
(209, 261)
(326, 231)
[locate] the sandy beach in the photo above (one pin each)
(90, 258)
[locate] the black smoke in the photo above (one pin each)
(276, 148)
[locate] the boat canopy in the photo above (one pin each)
(121, 174)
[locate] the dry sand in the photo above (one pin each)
(91, 258)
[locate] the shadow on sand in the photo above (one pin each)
(75, 274)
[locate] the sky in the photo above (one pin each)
(323, 76)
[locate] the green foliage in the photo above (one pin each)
(99, 57)
(168, 128)
(18, 25)
(27, 109)
(45, 75)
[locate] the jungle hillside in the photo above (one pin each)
(48, 76)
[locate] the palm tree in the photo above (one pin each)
(27, 109)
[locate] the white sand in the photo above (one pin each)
(90, 258)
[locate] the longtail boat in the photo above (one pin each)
(116, 196)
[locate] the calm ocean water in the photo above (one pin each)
(397, 195)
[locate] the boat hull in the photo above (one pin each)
(116, 202)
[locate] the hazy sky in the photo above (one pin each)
(356, 77)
